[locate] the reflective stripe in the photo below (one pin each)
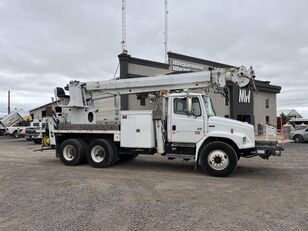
(54, 119)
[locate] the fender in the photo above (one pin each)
(237, 138)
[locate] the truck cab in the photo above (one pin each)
(195, 132)
(192, 120)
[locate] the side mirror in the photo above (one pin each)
(189, 106)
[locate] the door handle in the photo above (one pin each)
(173, 127)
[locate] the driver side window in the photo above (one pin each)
(179, 105)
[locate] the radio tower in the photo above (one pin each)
(124, 49)
(166, 31)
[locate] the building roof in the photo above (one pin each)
(303, 120)
(266, 86)
(289, 113)
(42, 106)
(198, 60)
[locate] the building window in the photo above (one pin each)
(142, 98)
(267, 103)
(226, 96)
(58, 109)
(267, 119)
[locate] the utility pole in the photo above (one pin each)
(124, 44)
(166, 31)
(9, 102)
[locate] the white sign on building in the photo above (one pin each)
(244, 96)
(185, 66)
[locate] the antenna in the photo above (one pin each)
(166, 31)
(124, 26)
(9, 102)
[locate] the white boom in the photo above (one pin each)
(204, 79)
(214, 78)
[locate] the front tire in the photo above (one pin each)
(298, 139)
(100, 153)
(218, 159)
(15, 134)
(71, 152)
(37, 141)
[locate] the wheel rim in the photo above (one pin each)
(98, 154)
(218, 159)
(69, 152)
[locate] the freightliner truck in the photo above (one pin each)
(183, 125)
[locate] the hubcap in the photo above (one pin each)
(218, 159)
(69, 152)
(98, 154)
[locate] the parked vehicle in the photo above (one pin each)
(184, 125)
(14, 131)
(8, 122)
(299, 136)
(2, 130)
(19, 130)
(34, 132)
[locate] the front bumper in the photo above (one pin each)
(265, 149)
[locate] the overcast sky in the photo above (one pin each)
(44, 44)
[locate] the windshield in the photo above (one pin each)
(208, 106)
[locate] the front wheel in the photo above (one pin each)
(218, 159)
(298, 139)
(15, 134)
(37, 141)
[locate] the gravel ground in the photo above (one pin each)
(37, 192)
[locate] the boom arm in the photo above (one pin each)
(204, 79)
(154, 83)
(215, 78)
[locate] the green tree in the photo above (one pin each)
(285, 119)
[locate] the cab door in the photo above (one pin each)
(185, 128)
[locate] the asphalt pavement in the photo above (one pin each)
(37, 192)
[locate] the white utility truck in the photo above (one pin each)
(183, 125)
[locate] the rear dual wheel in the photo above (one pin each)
(72, 151)
(102, 153)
